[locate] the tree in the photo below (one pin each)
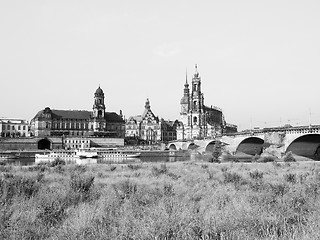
(217, 151)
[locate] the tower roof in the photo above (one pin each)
(99, 91)
(147, 106)
(186, 85)
(196, 74)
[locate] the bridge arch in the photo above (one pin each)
(251, 145)
(191, 146)
(210, 146)
(306, 145)
(172, 146)
(44, 143)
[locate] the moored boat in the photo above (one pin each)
(115, 153)
(8, 156)
(86, 153)
(65, 155)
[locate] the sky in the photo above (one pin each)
(258, 60)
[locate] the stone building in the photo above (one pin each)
(146, 126)
(149, 128)
(198, 121)
(79, 123)
(169, 130)
(10, 127)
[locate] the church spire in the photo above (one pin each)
(196, 74)
(186, 85)
(147, 106)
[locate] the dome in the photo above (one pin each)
(99, 91)
(184, 100)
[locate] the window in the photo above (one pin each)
(19, 127)
(195, 120)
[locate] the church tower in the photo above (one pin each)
(196, 100)
(185, 100)
(99, 110)
(98, 105)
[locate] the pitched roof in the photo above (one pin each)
(71, 114)
(79, 114)
(113, 117)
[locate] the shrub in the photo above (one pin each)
(125, 189)
(58, 169)
(224, 169)
(255, 158)
(173, 176)
(279, 189)
(210, 174)
(256, 174)
(80, 168)
(39, 167)
(51, 212)
(56, 162)
(81, 183)
(217, 151)
(134, 166)
(204, 166)
(168, 189)
(289, 157)
(232, 177)
(265, 159)
(276, 164)
(158, 171)
(112, 168)
(11, 186)
(290, 177)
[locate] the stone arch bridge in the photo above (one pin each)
(303, 141)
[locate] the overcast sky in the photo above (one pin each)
(259, 60)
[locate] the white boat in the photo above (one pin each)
(89, 155)
(67, 156)
(86, 153)
(111, 153)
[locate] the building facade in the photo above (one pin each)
(10, 127)
(146, 127)
(79, 123)
(197, 121)
(169, 130)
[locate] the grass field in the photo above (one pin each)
(178, 200)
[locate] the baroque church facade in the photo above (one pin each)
(198, 121)
(79, 123)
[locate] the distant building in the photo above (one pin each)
(98, 122)
(146, 127)
(149, 129)
(10, 127)
(197, 120)
(169, 130)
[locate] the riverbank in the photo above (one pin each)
(176, 200)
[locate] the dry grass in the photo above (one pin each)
(179, 200)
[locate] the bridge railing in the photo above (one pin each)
(286, 130)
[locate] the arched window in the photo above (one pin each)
(195, 120)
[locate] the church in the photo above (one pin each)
(79, 123)
(198, 121)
